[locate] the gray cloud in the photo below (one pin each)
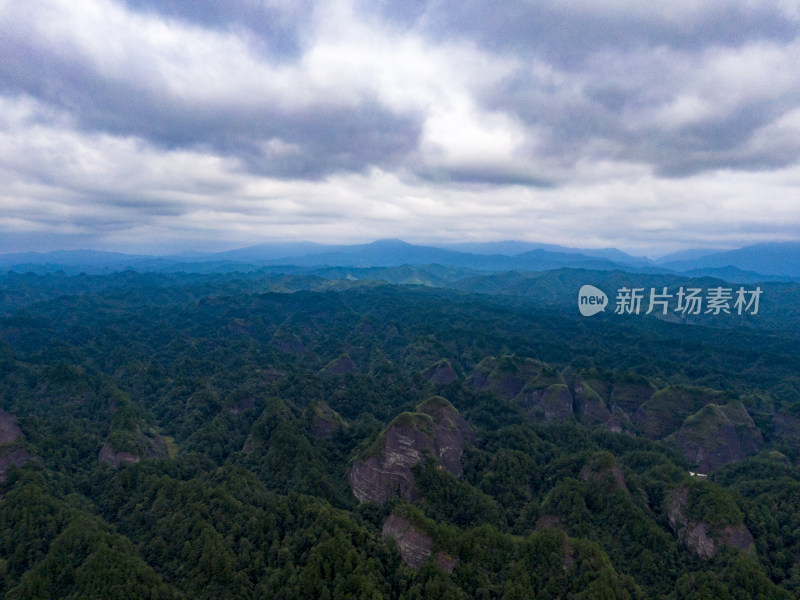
(566, 33)
(323, 137)
(615, 65)
(276, 28)
(152, 116)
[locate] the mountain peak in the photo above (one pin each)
(389, 243)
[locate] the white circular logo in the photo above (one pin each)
(591, 300)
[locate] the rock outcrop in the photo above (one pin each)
(700, 537)
(324, 421)
(446, 562)
(9, 428)
(153, 446)
(12, 457)
(786, 430)
(619, 422)
(441, 373)
(109, 456)
(708, 428)
(242, 405)
(11, 453)
(553, 402)
(288, 342)
(630, 392)
(414, 545)
(603, 469)
(340, 366)
(666, 410)
(718, 435)
(436, 429)
(451, 434)
(505, 376)
(590, 409)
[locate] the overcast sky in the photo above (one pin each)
(165, 125)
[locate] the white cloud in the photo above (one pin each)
(599, 130)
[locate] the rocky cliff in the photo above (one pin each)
(786, 430)
(11, 452)
(551, 403)
(9, 429)
(666, 410)
(718, 435)
(699, 536)
(436, 428)
(709, 427)
(109, 456)
(590, 409)
(414, 545)
(340, 366)
(603, 469)
(505, 376)
(323, 420)
(630, 392)
(152, 445)
(451, 434)
(441, 373)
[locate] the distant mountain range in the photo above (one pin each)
(759, 262)
(780, 259)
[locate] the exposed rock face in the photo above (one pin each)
(242, 405)
(324, 421)
(551, 403)
(9, 429)
(630, 395)
(154, 447)
(601, 386)
(697, 535)
(115, 459)
(589, 406)
(506, 375)
(340, 366)
(287, 342)
(415, 547)
(546, 396)
(786, 430)
(11, 454)
(604, 470)
(718, 435)
(441, 373)
(450, 432)
(737, 536)
(376, 478)
(446, 562)
(240, 327)
(666, 410)
(619, 423)
(436, 429)
(479, 378)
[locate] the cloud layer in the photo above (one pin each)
(168, 125)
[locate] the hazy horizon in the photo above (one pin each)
(310, 247)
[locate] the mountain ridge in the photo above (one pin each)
(771, 261)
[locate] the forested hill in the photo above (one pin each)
(332, 435)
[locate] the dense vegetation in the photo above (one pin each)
(204, 393)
